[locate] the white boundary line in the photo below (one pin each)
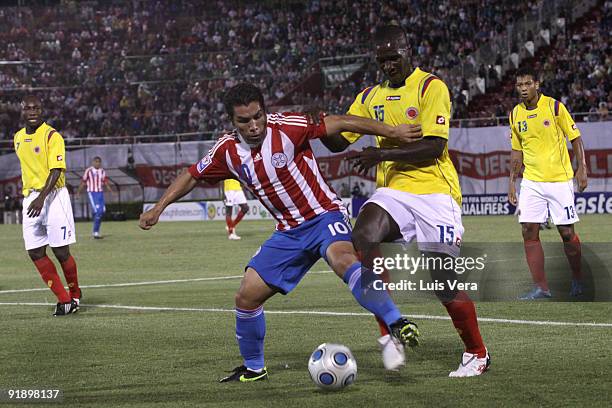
(145, 283)
(315, 312)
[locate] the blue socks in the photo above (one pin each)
(375, 301)
(250, 333)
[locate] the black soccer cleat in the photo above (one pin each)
(63, 309)
(406, 332)
(243, 374)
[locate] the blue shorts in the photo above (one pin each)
(283, 260)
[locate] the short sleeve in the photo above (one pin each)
(359, 107)
(213, 167)
(565, 121)
(435, 108)
(515, 139)
(56, 157)
(298, 128)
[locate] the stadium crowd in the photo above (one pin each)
(107, 69)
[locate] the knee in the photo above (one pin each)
(62, 253)
(243, 301)
(363, 236)
(530, 231)
(567, 234)
(244, 208)
(37, 253)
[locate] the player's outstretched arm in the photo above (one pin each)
(182, 185)
(334, 124)
(581, 171)
(516, 164)
(427, 148)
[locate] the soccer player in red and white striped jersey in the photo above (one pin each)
(270, 155)
(95, 180)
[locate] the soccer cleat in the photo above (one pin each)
(392, 352)
(63, 309)
(577, 288)
(471, 365)
(96, 235)
(536, 293)
(233, 236)
(243, 374)
(406, 332)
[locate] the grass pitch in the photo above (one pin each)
(176, 339)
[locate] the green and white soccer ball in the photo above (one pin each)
(332, 366)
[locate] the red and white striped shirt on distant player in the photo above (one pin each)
(95, 179)
(282, 172)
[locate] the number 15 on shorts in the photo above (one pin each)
(447, 234)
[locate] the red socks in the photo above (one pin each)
(573, 253)
(47, 271)
(70, 273)
(535, 260)
(228, 221)
(239, 217)
(463, 313)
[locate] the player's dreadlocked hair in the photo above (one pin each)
(527, 70)
(242, 95)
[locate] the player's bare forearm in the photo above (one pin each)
(182, 185)
(54, 175)
(516, 164)
(581, 171)
(427, 148)
(335, 143)
(335, 124)
(35, 207)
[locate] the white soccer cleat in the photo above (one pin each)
(471, 365)
(233, 236)
(392, 352)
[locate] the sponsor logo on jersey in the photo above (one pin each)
(279, 160)
(535, 115)
(27, 140)
(37, 149)
(257, 157)
(394, 97)
(546, 123)
(60, 157)
(412, 112)
(204, 163)
(440, 120)
(573, 126)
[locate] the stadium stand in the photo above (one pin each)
(124, 69)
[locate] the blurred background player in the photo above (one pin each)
(271, 155)
(234, 196)
(539, 126)
(95, 180)
(47, 218)
(418, 195)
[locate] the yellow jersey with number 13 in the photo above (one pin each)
(540, 134)
(423, 100)
(38, 153)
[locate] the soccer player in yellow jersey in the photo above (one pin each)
(418, 195)
(47, 218)
(539, 127)
(234, 196)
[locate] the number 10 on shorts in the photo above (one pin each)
(447, 234)
(337, 228)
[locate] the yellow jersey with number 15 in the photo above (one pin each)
(540, 134)
(424, 100)
(38, 153)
